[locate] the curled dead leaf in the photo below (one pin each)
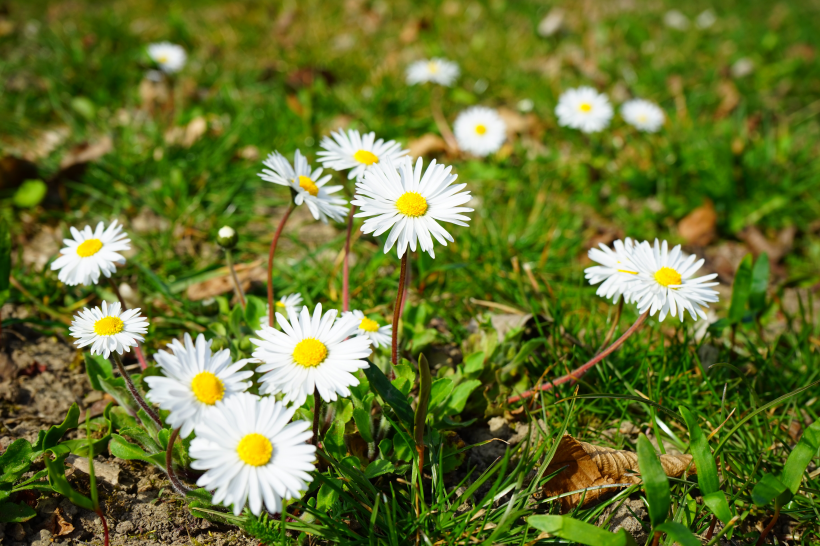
(729, 98)
(775, 249)
(221, 282)
(188, 135)
(698, 227)
(426, 144)
(590, 466)
(86, 152)
(58, 526)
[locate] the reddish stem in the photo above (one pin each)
(271, 307)
(134, 392)
(397, 309)
(137, 348)
(169, 465)
(346, 263)
(317, 408)
(105, 526)
(576, 374)
(769, 527)
(711, 530)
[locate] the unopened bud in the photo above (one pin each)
(227, 238)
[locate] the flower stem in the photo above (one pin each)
(134, 392)
(180, 488)
(397, 310)
(137, 348)
(105, 526)
(575, 374)
(239, 292)
(273, 243)
(441, 122)
(769, 527)
(317, 408)
(614, 326)
(346, 264)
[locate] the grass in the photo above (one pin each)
(280, 76)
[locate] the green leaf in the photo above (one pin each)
(526, 351)
(255, 311)
(326, 498)
(440, 390)
(741, 288)
(80, 447)
(405, 377)
(678, 533)
(473, 364)
(390, 395)
(402, 448)
(457, 401)
(800, 457)
(363, 423)
(58, 481)
(377, 468)
(139, 435)
(115, 386)
(334, 440)
(236, 319)
(15, 461)
(5, 261)
(577, 531)
(717, 503)
(344, 410)
(29, 194)
(704, 460)
(655, 481)
(425, 389)
(122, 448)
(96, 367)
(48, 439)
(11, 512)
(768, 489)
(760, 282)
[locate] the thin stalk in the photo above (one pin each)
(105, 526)
(346, 263)
(317, 408)
(397, 310)
(769, 527)
(239, 292)
(137, 348)
(441, 122)
(711, 530)
(614, 326)
(134, 392)
(273, 243)
(656, 538)
(180, 487)
(575, 374)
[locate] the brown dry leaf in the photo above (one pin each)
(188, 135)
(249, 152)
(698, 227)
(552, 23)
(295, 106)
(675, 84)
(517, 123)
(153, 93)
(86, 153)
(58, 526)
(410, 31)
(776, 249)
(730, 98)
(223, 284)
(801, 51)
(426, 144)
(591, 466)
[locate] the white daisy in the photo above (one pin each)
(643, 115)
(195, 379)
(170, 57)
(436, 70)
(91, 252)
(288, 304)
(616, 272)
(664, 284)
(378, 335)
(357, 152)
(310, 353)
(108, 329)
(584, 109)
(409, 204)
(480, 131)
(308, 186)
(250, 452)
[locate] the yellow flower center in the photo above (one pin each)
(432, 66)
(89, 247)
(368, 158)
(308, 185)
(369, 325)
(254, 449)
(585, 107)
(108, 326)
(480, 129)
(412, 204)
(642, 118)
(310, 352)
(207, 388)
(280, 304)
(667, 276)
(162, 59)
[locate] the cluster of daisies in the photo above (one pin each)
(588, 111)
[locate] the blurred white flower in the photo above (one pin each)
(643, 115)
(369, 328)
(742, 67)
(706, 19)
(480, 130)
(585, 109)
(436, 70)
(675, 19)
(169, 57)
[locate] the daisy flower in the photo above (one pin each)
(357, 152)
(108, 329)
(643, 115)
(250, 453)
(378, 335)
(664, 282)
(195, 380)
(480, 131)
(436, 70)
(288, 303)
(89, 252)
(584, 109)
(310, 353)
(308, 186)
(409, 203)
(170, 57)
(616, 273)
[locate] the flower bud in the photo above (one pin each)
(227, 238)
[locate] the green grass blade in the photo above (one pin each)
(655, 482)
(704, 461)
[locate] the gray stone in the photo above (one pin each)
(124, 527)
(623, 518)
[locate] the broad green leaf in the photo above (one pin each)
(120, 418)
(760, 282)
(48, 439)
(741, 288)
(526, 350)
(363, 423)
(405, 377)
(149, 425)
(425, 389)
(377, 468)
(255, 311)
(115, 386)
(457, 400)
(577, 531)
(800, 457)
(15, 461)
(334, 440)
(29, 194)
(704, 460)
(391, 396)
(717, 503)
(236, 319)
(440, 390)
(11, 512)
(678, 533)
(80, 446)
(5, 261)
(344, 410)
(768, 489)
(58, 481)
(403, 450)
(139, 435)
(473, 364)
(326, 498)
(655, 482)
(96, 367)
(122, 448)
